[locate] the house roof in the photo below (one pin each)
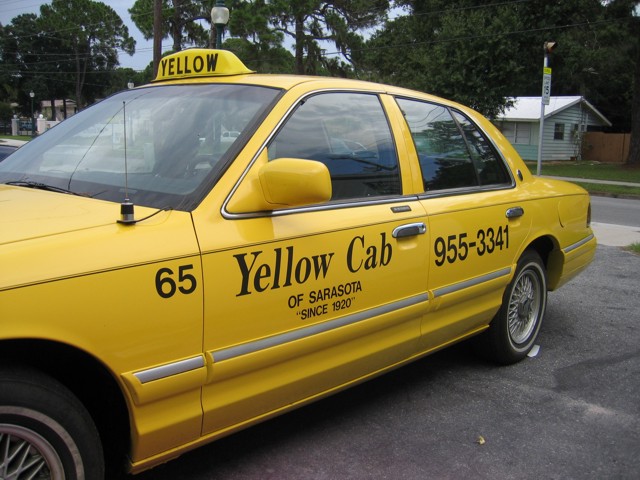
(528, 108)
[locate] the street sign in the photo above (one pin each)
(546, 85)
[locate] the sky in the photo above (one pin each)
(144, 48)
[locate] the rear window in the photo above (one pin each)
(452, 151)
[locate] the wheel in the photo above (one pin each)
(514, 329)
(45, 432)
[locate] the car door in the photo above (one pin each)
(302, 301)
(477, 222)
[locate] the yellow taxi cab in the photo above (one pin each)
(164, 283)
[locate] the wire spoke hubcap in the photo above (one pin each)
(524, 307)
(24, 454)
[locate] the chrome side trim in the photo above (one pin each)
(170, 369)
(358, 202)
(306, 332)
(471, 283)
(578, 244)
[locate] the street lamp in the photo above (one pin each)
(219, 17)
(546, 94)
(130, 84)
(33, 120)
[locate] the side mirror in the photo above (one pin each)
(283, 183)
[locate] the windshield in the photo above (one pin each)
(172, 141)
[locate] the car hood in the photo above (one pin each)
(27, 213)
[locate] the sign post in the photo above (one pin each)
(545, 98)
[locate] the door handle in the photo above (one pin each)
(515, 212)
(409, 230)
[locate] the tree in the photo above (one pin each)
(631, 31)
(31, 63)
(634, 147)
(93, 33)
(482, 53)
(179, 21)
(267, 23)
(308, 22)
(458, 51)
(260, 57)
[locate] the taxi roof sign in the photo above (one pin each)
(199, 62)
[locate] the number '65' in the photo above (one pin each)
(166, 285)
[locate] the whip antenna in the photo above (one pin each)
(126, 208)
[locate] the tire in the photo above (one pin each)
(45, 432)
(514, 330)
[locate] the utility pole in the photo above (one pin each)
(157, 35)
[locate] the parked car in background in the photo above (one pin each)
(162, 288)
(6, 150)
(229, 136)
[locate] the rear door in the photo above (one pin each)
(476, 221)
(300, 302)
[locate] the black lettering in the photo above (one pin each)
(287, 282)
(245, 270)
(212, 61)
(321, 264)
(198, 64)
(276, 272)
(350, 265)
(303, 270)
(386, 251)
(371, 259)
(264, 271)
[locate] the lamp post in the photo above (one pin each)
(546, 94)
(130, 84)
(219, 17)
(33, 120)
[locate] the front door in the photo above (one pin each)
(299, 303)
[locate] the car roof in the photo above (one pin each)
(230, 70)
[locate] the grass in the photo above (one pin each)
(595, 171)
(26, 138)
(598, 171)
(634, 247)
(621, 191)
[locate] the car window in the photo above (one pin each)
(452, 152)
(349, 133)
(170, 140)
(491, 169)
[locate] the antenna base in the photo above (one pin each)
(127, 216)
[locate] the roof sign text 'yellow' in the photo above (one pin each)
(200, 62)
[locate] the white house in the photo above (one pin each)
(565, 120)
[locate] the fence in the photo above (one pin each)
(606, 147)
